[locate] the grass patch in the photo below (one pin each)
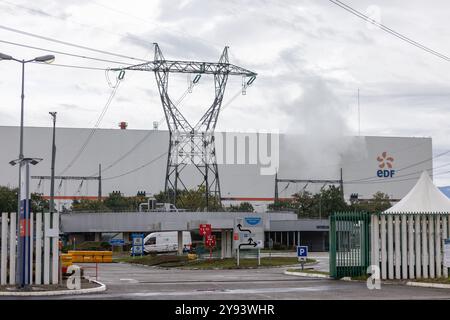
(436, 280)
(309, 271)
(154, 260)
(170, 261)
(363, 277)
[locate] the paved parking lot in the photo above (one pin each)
(125, 281)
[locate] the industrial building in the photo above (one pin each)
(282, 228)
(133, 161)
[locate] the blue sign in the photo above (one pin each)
(138, 244)
(116, 242)
(252, 220)
(302, 251)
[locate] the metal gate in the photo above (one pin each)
(349, 244)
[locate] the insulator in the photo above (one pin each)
(197, 78)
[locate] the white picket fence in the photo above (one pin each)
(409, 246)
(44, 251)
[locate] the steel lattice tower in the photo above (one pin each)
(192, 144)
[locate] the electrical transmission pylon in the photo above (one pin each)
(192, 144)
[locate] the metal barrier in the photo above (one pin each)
(96, 270)
(349, 244)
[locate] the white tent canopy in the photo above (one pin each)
(424, 197)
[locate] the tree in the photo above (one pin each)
(114, 202)
(38, 203)
(9, 198)
(195, 200)
(310, 205)
(380, 202)
(88, 205)
(242, 207)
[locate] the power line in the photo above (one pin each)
(68, 43)
(70, 66)
(134, 17)
(163, 154)
(63, 53)
(126, 154)
(369, 179)
(64, 19)
(138, 168)
(91, 134)
(404, 175)
(389, 30)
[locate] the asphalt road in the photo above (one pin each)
(125, 281)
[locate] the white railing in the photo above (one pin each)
(409, 246)
(44, 250)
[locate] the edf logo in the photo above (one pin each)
(385, 163)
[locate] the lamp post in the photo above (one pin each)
(23, 269)
(52, 181)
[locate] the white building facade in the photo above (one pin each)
(135, 160)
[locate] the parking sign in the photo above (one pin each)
(302, 251)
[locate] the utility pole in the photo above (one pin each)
(23, 275)
(276, 188)
(99, 182)
(359, 117)
(52, 181)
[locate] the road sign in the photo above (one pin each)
(210, 241)
(138, 244)
(302, 251)
(204, 229)
(116, 242)
(248, 233)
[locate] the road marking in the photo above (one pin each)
(227, 291)
(129, 280)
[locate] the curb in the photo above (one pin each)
(428, 285)
(305, 274)
(101, 288)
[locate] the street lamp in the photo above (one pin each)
(23, 208)
(52, 182)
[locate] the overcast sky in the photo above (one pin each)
(302, 50)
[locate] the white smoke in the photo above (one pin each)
(318, 132)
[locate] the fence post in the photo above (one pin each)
(444, 236)
(431, 245)
(404, 247)
(376, 240)
(383, 247)
(46, 249)
(30, 258)
(4, 248)
(38, 272)
(332, 235)
(424, 246)
(411, 246)
(12, 248)
(437, 242)
(55, 248)
(398, 261)
(390, 247)
(417, 238)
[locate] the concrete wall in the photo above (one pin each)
(158, 221)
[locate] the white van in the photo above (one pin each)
(165, 241)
